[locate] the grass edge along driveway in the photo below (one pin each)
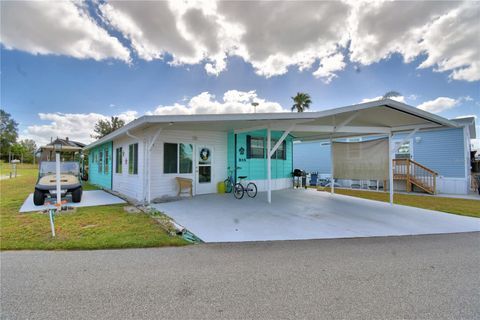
(463, 207)
(100, 227)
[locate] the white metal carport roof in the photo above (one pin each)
(377, 117)
(382, 116)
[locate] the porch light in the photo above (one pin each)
(57, 147)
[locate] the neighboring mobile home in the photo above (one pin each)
(444, 150)
(142, 159)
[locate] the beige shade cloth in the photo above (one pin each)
(367, 160)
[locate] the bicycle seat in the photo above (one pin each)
(242, 177)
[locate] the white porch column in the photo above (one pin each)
(332, 162)
(390, 168)
(57, 181)
(269, 165)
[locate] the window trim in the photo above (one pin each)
(133, 168)
(410, 146)
(119, 160)
(284, 145)
(100, 161)
(178, 157)
(249, 147)
(106, 162)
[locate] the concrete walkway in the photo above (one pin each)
(89, 199)
(420, 277)
(306, 214)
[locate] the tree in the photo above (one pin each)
(8, 133)
(104, 127)
(29, 148)
(301, 101)
(391, 94)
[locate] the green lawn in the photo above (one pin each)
(102, 227)
(462, 207)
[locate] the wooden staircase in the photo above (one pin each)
(415, 174)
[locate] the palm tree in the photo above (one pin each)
(301, 101)
(391, 94)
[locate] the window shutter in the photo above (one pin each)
(249, 145)
(135, 154)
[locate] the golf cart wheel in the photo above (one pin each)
(238, 191)
(77, 195)
(252, 190)
(228, 185)
(38, 198)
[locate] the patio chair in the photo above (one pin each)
(184, 183)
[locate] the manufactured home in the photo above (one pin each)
(143, 159)
(445, 151)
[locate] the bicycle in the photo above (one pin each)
(238, 188)
(230, 181)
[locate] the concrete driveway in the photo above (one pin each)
(306, 214)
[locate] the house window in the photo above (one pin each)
(177, 158)
(255, 147)
(186, 158)
(133, 158)
(106, 161)
(118, 160)
(281, 152)
(100, 161)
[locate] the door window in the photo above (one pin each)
(204, 165)
(404, 151)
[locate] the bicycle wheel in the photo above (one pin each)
(228, 185)
(238, 191)
(251, 190)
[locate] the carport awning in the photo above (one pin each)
(382, 116)
(372, 118)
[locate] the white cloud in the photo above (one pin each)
(328, 66)
(76, 126)
(277, 35)
(274, 37)
(438, 105)
(233, 101)
(187, 31)
(446, 32)
(57, 27)
(79, 126)
(399, 99)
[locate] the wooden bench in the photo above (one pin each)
(184, 183)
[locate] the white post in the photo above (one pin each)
(52, 226)
(390, 168)
(332, 179)
(59, 189)
(269, 165)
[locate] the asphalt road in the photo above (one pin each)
(427, 277)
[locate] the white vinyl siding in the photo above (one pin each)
(130, 185)
(164, 184)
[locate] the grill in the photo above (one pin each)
(299, 178)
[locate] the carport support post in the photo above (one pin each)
(269, 165)
(332, 180)
(390, 168)
(57, 178)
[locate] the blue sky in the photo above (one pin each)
(36, 78)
